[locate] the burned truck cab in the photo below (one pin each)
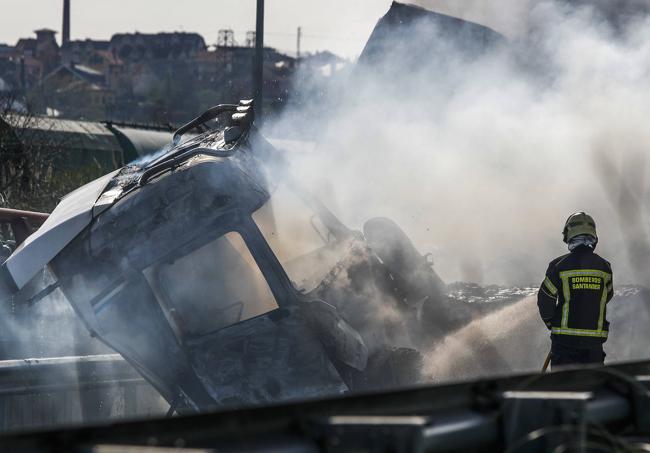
(174, 273)
(226, 282)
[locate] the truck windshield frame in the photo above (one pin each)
(304, 246)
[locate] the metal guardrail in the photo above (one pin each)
(485, 415)
(22, 222)
(41, 392)
(38, 375)
(9, 215)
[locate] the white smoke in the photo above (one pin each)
(506, 16)
(482, 161)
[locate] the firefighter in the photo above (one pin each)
(573, 297)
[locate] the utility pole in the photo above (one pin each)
(298, 46)
(258, 63)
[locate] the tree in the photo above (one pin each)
(35, 168)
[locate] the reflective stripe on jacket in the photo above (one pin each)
(573, 298)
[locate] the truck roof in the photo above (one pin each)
(77, 209)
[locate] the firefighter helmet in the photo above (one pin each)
(577, 224)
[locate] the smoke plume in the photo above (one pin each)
(480, 156)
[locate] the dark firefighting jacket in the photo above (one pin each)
(573, 298)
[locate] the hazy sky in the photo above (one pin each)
(341, 26)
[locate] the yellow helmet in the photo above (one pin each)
(577, 224)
